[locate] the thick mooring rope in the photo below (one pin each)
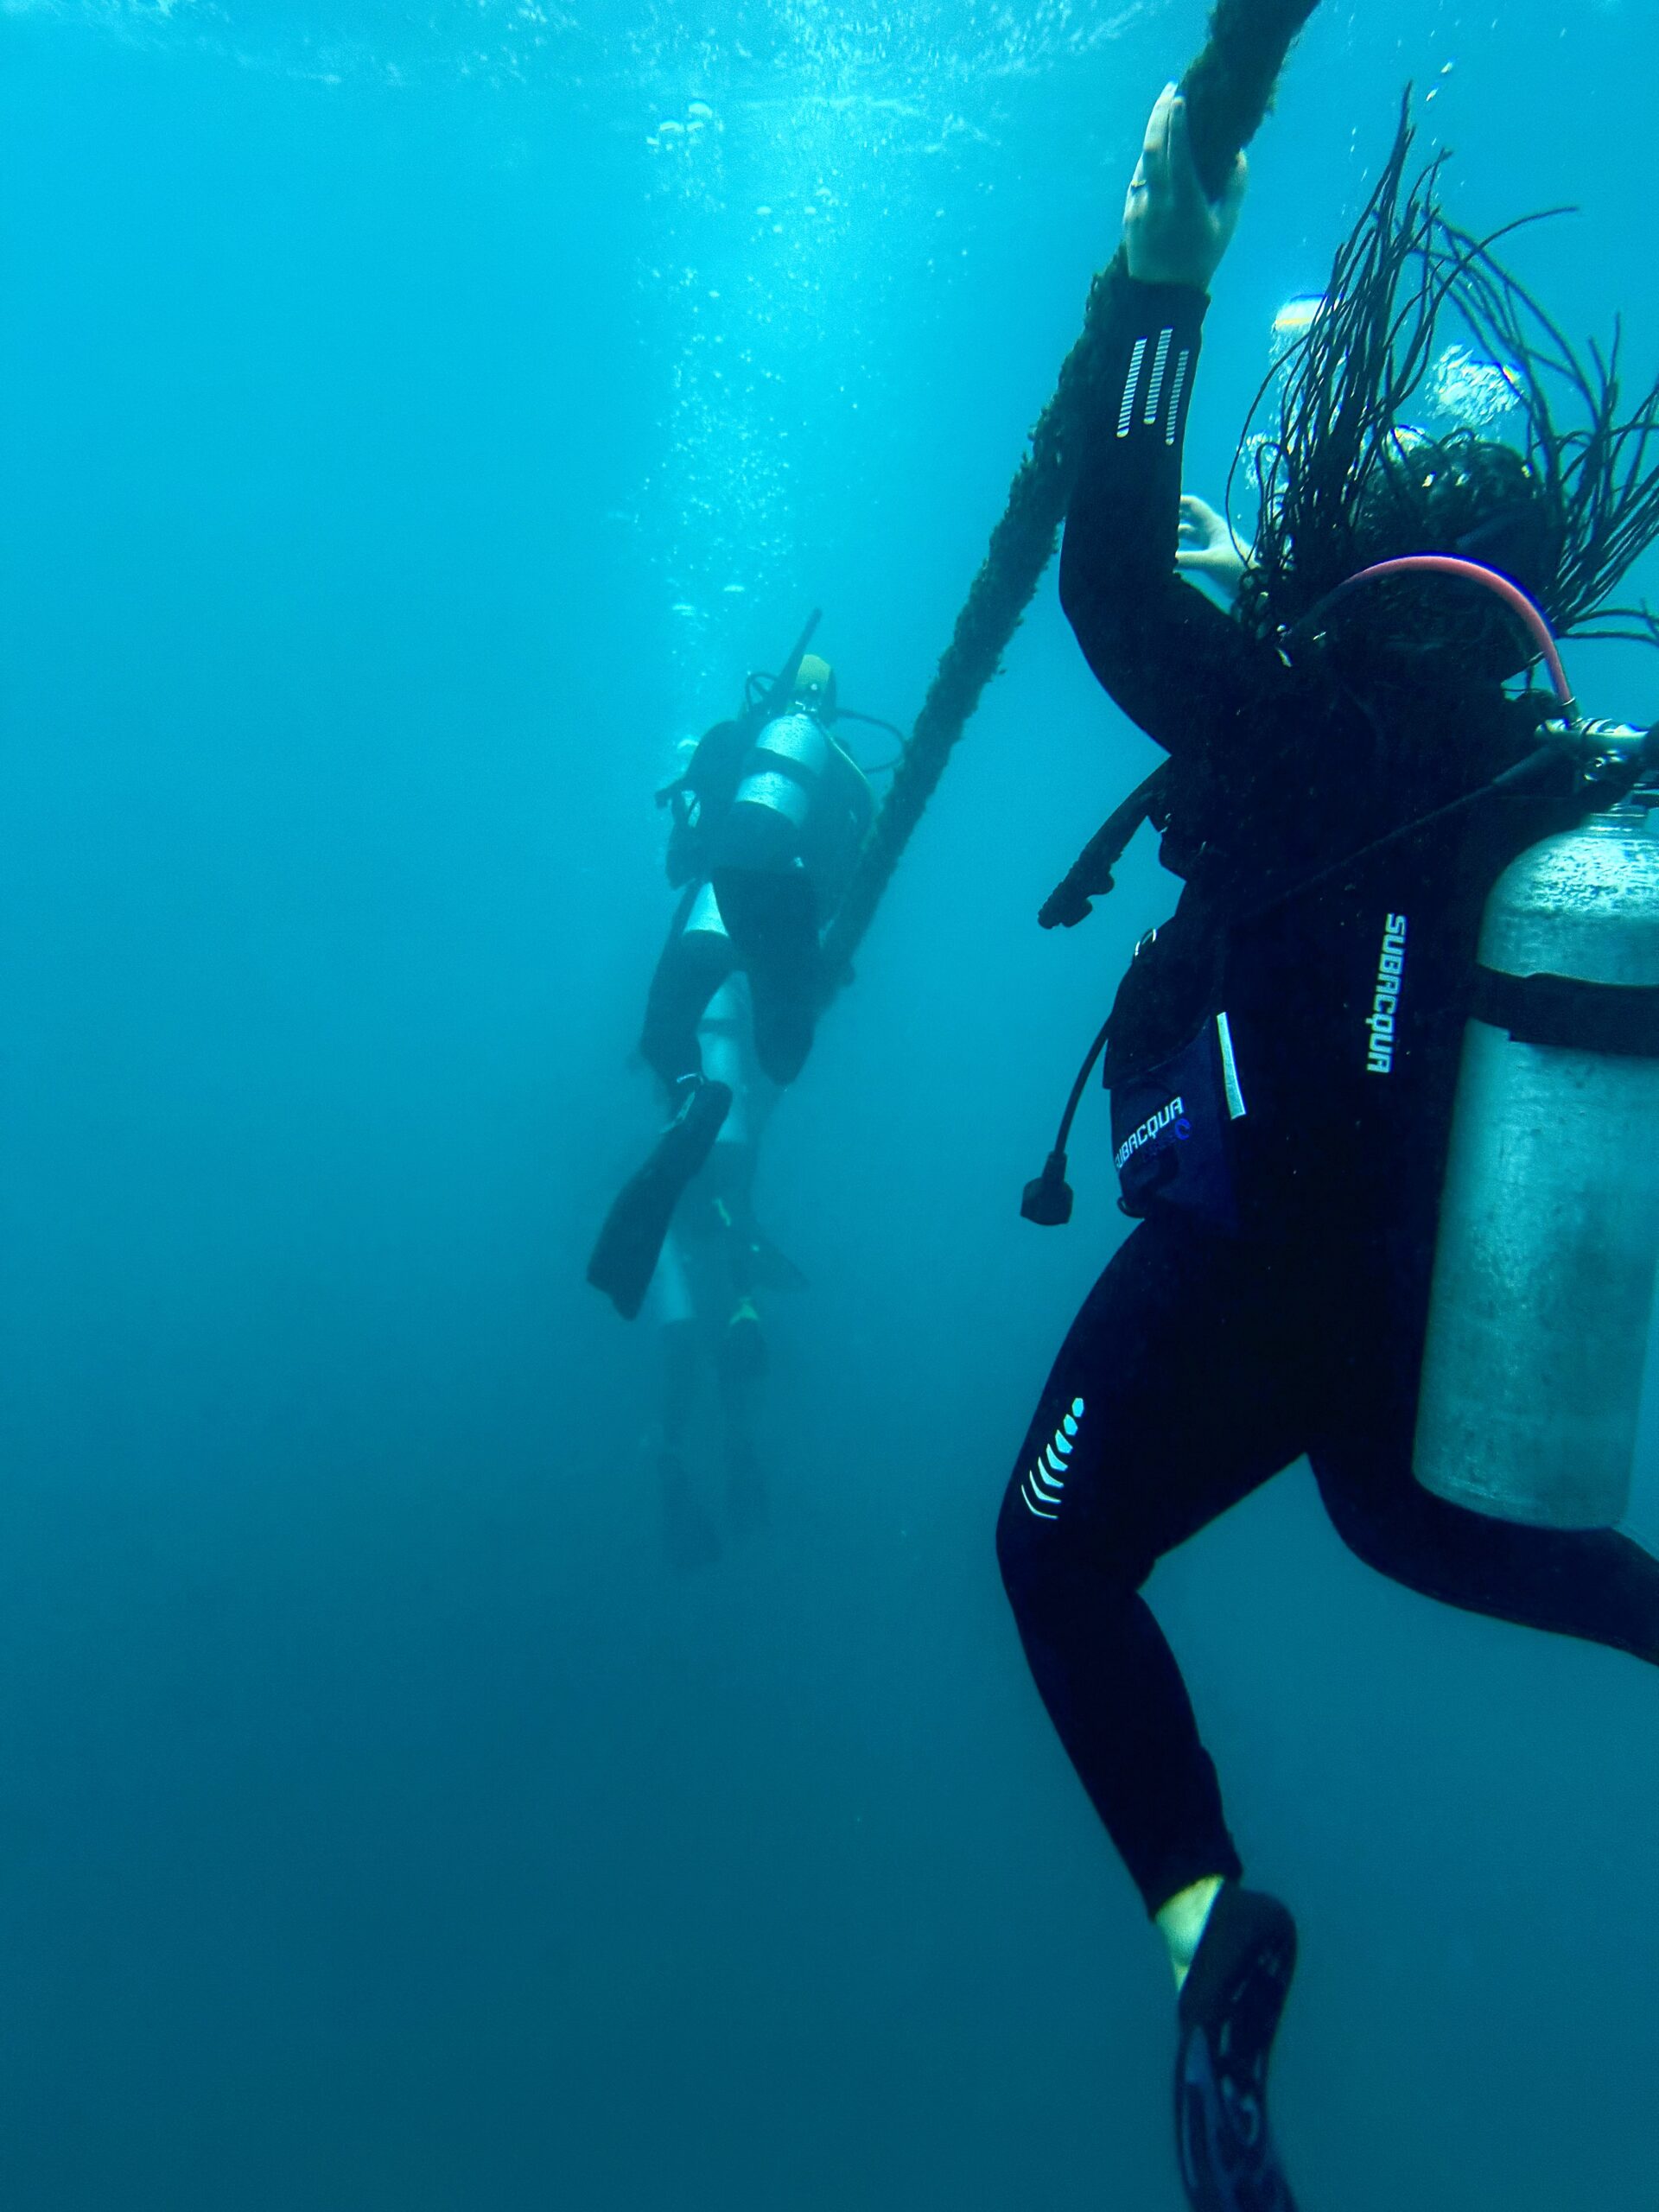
(1230, 86)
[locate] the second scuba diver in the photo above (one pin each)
(769, 819)
(706, 1295)
(1344, 785)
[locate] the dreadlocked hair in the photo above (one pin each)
(1343, 482)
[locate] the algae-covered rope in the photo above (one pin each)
(1229, 87)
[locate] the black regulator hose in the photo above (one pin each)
(1047, 1199)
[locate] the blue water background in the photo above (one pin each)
(382, 1824)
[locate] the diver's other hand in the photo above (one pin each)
(1173, 232)
(1207, 547)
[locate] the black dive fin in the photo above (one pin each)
(630, 1242)
(770, 1268)
(1229, 2010)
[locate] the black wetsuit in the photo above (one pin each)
(1226, 1339)
(773, 906)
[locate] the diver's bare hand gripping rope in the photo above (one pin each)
(1230, 88)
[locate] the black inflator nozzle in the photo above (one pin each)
(1048, 1195)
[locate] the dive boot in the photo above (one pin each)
(630, 1242)
(1229, 2008)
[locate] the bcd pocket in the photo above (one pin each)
(1173, 1131)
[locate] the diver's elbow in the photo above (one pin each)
(1097, 618)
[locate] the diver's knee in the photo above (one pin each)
(1013, 1543)
(1031, 1546)
(670, 1054)
(1049, 1549)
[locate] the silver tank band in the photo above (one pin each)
(785, 767)
(705, 918)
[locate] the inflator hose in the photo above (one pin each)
(1230, 87)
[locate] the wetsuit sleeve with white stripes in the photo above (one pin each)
(1178, 666)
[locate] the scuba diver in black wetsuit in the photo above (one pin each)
(769, 819)
(1347, 777)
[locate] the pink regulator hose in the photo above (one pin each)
(1473, 572)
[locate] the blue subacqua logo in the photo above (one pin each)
(1172, 1118)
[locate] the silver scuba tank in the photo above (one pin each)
(781, 780)
(723, 1034)
(1548, 1240)
(680, 1287)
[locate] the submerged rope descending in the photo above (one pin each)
(1230, 86)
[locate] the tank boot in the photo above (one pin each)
(630, 1244)
(1229, 2008)
(690, 1537)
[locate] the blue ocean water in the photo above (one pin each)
(417, 420)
